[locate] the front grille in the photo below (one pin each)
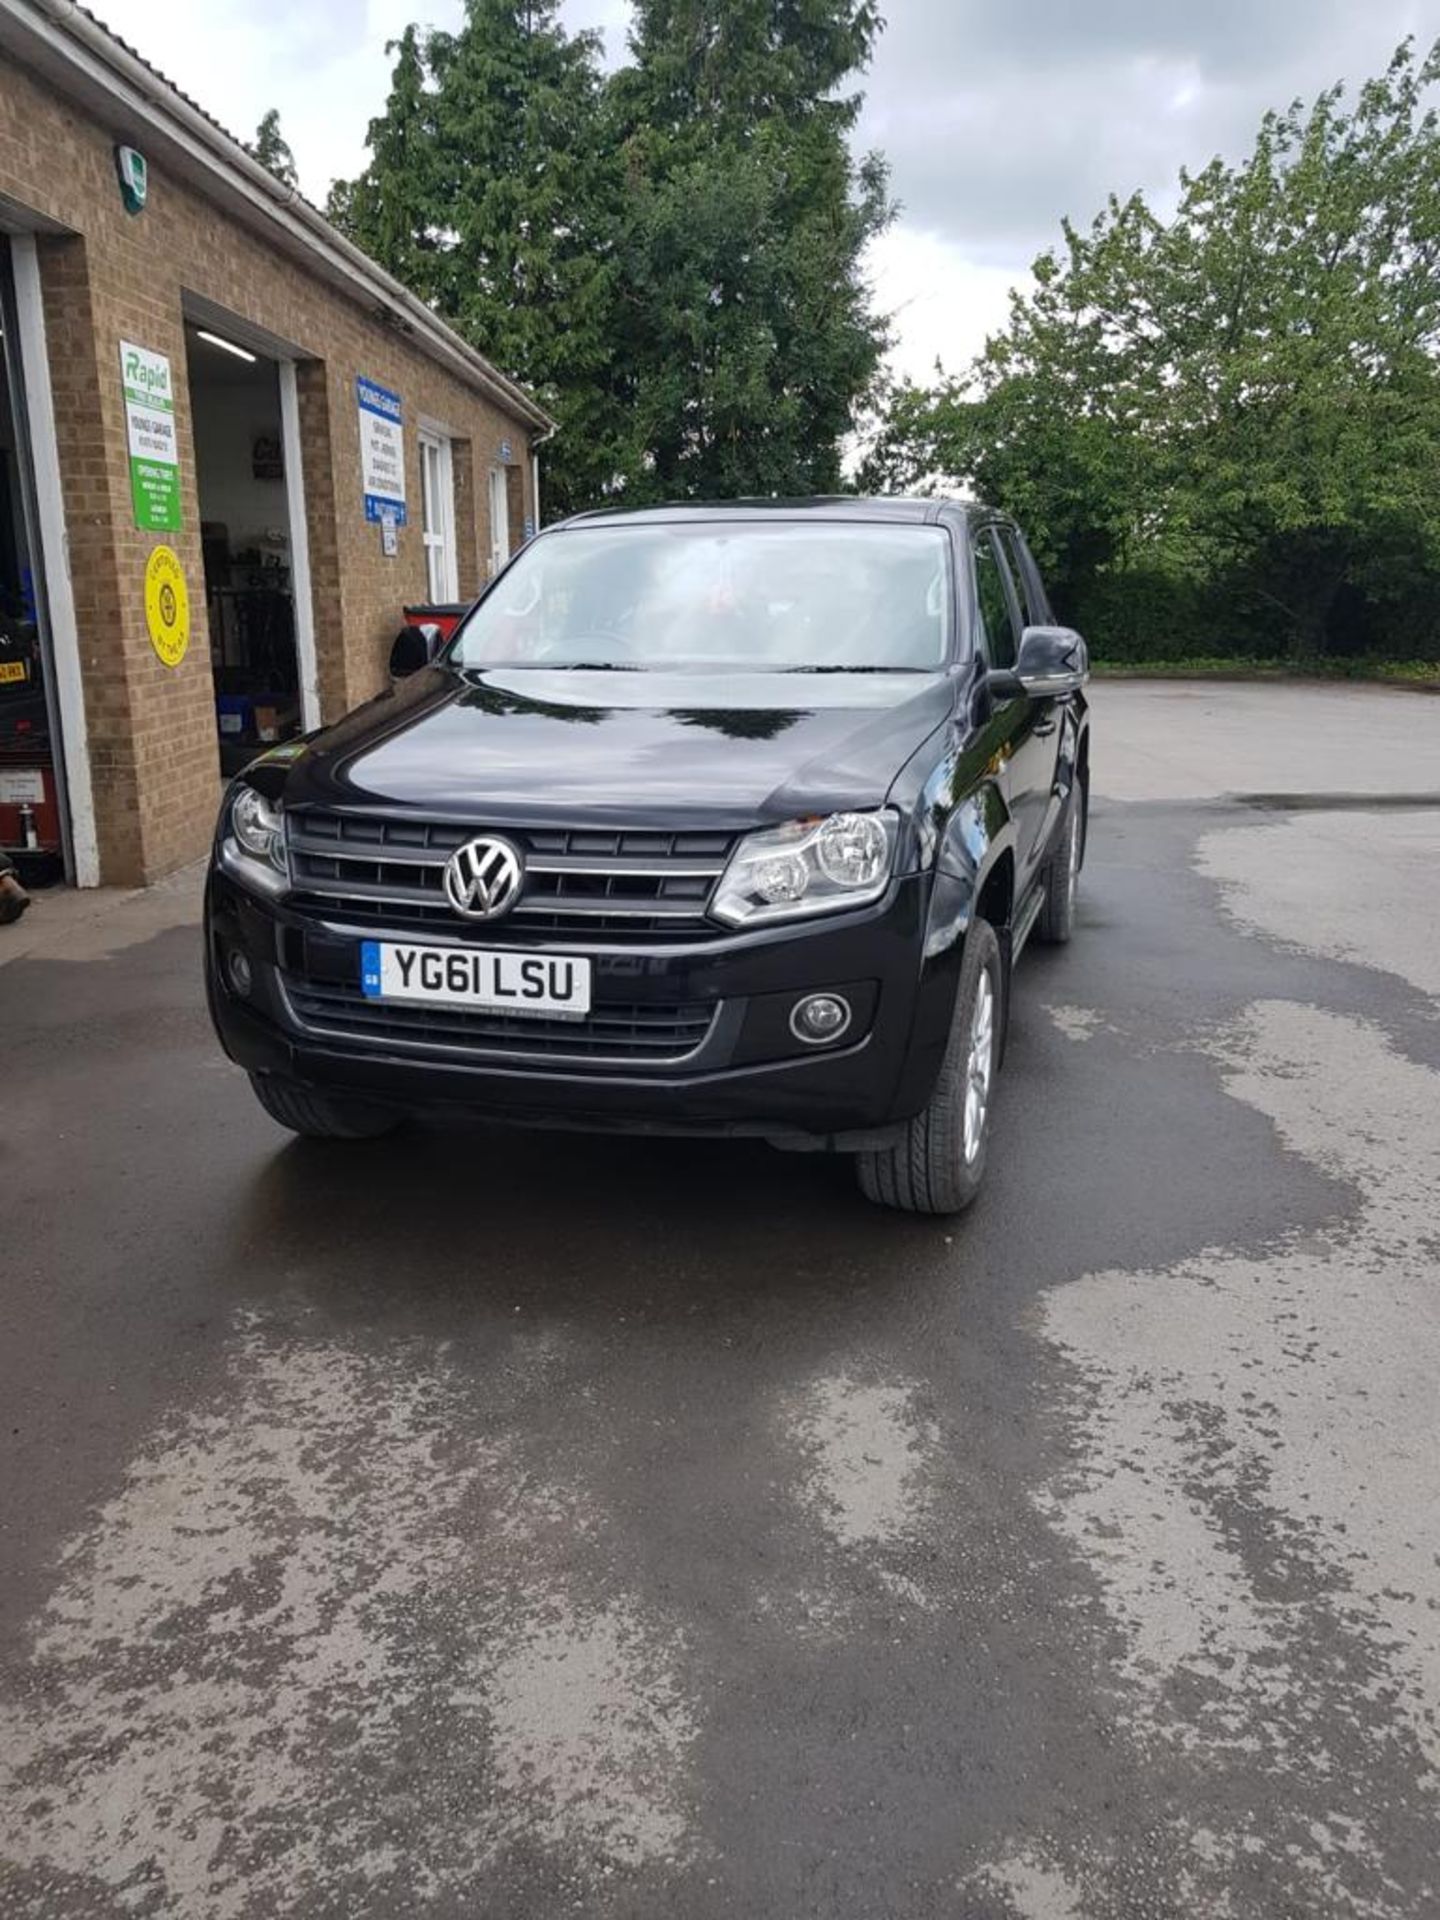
(577, 880)
(403, 918)
(655, 1035)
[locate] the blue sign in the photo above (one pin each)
(378, 399)
(382, 452)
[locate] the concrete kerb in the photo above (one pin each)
(67, 924)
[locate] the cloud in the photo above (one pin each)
(941, 302)
(323, 65)
(1000, 119)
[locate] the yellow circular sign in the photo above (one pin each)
(167, 605)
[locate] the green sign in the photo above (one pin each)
(150, 425)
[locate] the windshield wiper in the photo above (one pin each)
(587, 666)
(829, 667)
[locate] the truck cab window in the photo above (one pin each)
(998, 637)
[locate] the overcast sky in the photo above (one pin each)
(998, 116)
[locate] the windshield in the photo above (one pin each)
(792, 596)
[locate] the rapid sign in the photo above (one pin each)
(150, 428)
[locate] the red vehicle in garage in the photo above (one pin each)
(446, 617)
(29, 804)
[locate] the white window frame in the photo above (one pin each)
(437, 516)
(499, 510)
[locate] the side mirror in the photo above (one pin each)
(1052, 661)
(414, 648)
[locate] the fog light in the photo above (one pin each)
(237, 965)
(820, 1018)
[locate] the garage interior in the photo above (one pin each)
(31, 822)
(245, 533)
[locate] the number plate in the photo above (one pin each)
(13, 670)
(555, 986)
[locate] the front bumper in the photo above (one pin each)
(747, 1074)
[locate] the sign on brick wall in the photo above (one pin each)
(150, 426)
(382, 452)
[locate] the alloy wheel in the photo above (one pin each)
(979, 1067)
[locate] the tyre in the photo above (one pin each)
(938, 1164)
(1062, 875)
(317, 1116)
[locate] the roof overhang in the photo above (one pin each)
(68, 48)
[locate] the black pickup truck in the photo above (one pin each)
(708, 819)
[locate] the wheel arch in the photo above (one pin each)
(974, 868)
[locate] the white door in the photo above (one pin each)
(437, 513)
(499, 519)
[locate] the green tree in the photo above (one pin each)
(1303, 306)
(745, 340)
(532, 198)
(1231, 415)
(394, 209)
(272, 150)
(489, 195)
(670, 260)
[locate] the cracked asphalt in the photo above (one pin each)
(524, 1525)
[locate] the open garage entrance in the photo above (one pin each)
(33, 824)
(251, 525)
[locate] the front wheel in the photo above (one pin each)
(318, 1116)
(938, 1163)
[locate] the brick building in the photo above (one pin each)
(210, 398)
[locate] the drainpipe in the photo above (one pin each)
(538, 440)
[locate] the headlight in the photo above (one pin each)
(254, 846)
(808, 866)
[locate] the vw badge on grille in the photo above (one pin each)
(483, 879)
